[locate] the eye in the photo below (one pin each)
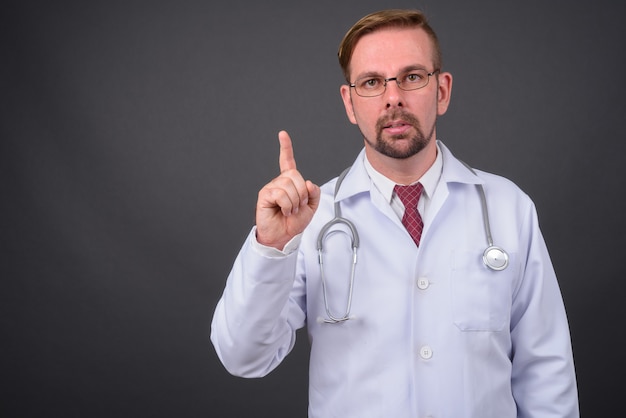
(370, 83)
(413, 78)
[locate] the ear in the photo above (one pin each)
(347, 102)
(444, 91)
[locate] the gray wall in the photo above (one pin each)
(134, 138)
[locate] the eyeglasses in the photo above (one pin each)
(375, 86)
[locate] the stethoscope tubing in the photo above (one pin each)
(494, 257)
(354, 243)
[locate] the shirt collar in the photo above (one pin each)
(429, 179)
(359, 179)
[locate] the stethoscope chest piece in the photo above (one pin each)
(495, 258)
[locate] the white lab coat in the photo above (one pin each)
(435, 333)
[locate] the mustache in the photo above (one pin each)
(397, 115)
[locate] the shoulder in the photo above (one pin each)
(459, 174)
(502, 186)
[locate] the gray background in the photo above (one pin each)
(135, 136)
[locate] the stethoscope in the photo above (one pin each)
(494, 257)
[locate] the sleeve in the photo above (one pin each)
(543, 375)
(255, 321)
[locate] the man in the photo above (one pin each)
(422, 325)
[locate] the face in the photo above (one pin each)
(397, 124)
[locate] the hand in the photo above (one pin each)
(286, 204)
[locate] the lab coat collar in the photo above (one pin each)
(357, 180)
(454, 171)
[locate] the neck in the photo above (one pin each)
(403, 171)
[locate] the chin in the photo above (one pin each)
(392, 149)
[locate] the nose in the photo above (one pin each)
(393, 93)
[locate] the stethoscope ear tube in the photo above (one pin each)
(354, 242)
(338, 219)
(354, 235)
(354, 238)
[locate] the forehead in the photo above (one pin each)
(390, 50)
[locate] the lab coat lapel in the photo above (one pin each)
(358, 181)
(453, 172)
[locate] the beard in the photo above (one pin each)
(417, 142)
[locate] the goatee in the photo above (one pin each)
(417, 142)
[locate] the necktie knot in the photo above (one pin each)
(412, 221)
(409, 195)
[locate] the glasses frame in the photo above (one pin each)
(386, 80)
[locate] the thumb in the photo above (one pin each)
(314, 194)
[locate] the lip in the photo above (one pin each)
(397, 127)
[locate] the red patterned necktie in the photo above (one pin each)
(412, 221)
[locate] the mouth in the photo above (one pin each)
(395, 124)
(396, 127)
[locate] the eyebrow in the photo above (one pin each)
(373, 74)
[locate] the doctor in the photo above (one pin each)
(422, 327)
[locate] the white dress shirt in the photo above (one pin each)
(429, 181)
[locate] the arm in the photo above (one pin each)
(543, 376)
(254, 324)
(256, 319)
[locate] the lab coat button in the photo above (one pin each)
(423, 283)
(425, 352)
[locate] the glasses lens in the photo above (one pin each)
(370, 86)
(413, 80)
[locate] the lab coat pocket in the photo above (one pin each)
(481, 297)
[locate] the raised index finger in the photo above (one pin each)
(286, 159)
